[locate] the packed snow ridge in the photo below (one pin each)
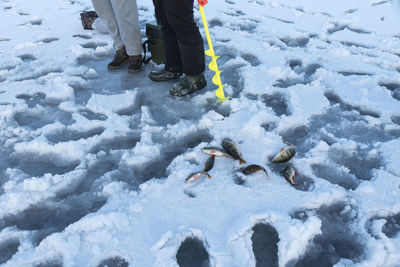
(93, 162)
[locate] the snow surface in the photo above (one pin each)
(93, 162)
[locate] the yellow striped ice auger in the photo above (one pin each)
(210, 52)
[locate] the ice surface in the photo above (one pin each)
(93, 162)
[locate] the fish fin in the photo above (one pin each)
(269, 178)
(295, 184)
(242, 161)
(295, 171)
(286, 142)
(282, 149)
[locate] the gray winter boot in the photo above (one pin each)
(188, 85)
(120, 58)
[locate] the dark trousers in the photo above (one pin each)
(184, 49)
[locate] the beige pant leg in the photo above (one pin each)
(126, 14)
(105, 11)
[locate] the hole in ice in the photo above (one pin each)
(277, 102)
(27, 57)
(50, 218)
(82, 36)
(253, 60)
(114, 262)
(69, 135)
(192, 253)
(8, 249)
(392, 226)
(295, 42)
(338, 239)
(93, 45)
(334, 175)
(265, 248)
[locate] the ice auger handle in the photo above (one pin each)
(202, 2)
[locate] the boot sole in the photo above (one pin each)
(117, 67)
(134, 71)
(202, 87)
(164, 79)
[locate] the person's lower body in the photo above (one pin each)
(121, 17)
(184, 49)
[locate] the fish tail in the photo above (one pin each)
(208, 175)
(242, 161)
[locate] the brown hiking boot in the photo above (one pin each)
(135, 63)
(120, 58)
